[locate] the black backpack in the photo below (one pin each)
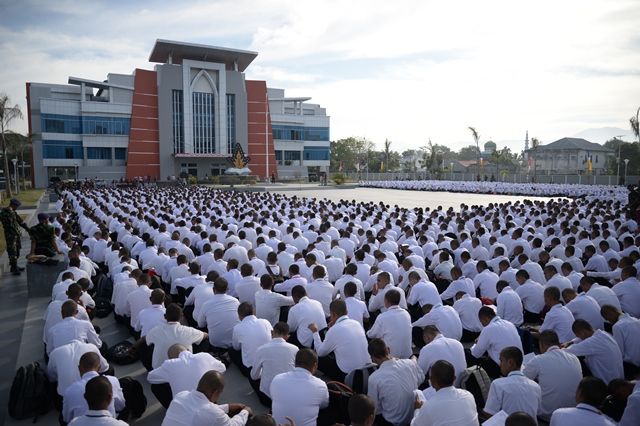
(103, 307)
(135, 401)
(104, 287)
(119, 353)
(277, 279)
(30, 393)
(358, 380)
(338, 409)
(475, 380)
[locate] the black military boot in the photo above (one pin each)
(14, 267)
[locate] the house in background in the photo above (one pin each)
(568, 156)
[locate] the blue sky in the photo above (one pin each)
(406, 70)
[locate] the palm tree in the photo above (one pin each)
(535, 143)
(635, 124)
(476, 138)
(7, 115)
(17, 144)
(387, 151)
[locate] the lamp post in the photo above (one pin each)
(24, 179)
(619, 147)
(626, 164)
(15, 172)
(76, 166)
(451, 164)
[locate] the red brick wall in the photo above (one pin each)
(260, 146)
(143, 155)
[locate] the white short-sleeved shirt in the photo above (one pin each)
(63, 363)
(220, 315)
(580, 415)
(271, 359)
(448, 406)
(559, 319)
(356, 309)
(171, 333)
(394, 327)
(346, 339)
(446, 349)
(75, 405)
(248, 335)
(299, 395)
(514, 393)
(496, 336)
(268, 304)
(602, 355)
(445, 318)
(303, 313)
(184, 373)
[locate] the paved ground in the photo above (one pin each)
(21, 318)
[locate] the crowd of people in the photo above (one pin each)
(518, 312)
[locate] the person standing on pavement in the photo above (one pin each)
(12, 222)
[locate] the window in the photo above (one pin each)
(313, 153)
(178, 121)
(121, 154)
(299, 133)
(203, 112)
(105, 125)
(98, 153)
(231, 122)
(58, 123)
(71, 150)
(292, 156)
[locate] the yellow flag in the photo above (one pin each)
(589, 164)
(382, 166)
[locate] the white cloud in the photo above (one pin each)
(404, 70)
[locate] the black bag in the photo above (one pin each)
(358, 380)
(30, 393)
(475, 380)
(277, 279)
(135, 401)
(338, 409)
(103, 307)
(104, 287)
(120, 353)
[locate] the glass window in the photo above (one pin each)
(121, 154)
(231, 121)
(203, 112)
(298, 133)
(292, 156)
(316, 153)
(178, 122)
(58, 123)
(62, 149)
(98, 153)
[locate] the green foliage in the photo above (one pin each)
(351, 152)
(338, 178)
(192, 180)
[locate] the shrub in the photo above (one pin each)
(192, 180)
(339, 178)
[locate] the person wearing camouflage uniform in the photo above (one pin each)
(12, 222)
(43, 237)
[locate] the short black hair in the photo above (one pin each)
(443, 373)
(593, 391)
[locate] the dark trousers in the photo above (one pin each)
(145, 355)
(381, 421)
(529, 342)
(329, 366)
(293, 339)
(416, 335)
(531, 318)
(163, 393)
(469, 336)
(631, 371)
(236, 358)
(492, 369)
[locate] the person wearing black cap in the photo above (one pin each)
(11, 222)
(43, 237)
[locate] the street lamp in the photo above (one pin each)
(15, 172)
(77, 166)
(24, 180)
(451, 164)
(626, 164)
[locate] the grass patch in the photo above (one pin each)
(3, 243)
(29, 197)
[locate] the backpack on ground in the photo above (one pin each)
(475, 380)
(29, 395)
(338, 409)
(103, 307)
(104, 287)
(135, 401)
(358, 380)
(120, 353)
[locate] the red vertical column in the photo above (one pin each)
(143, 154)
(260, 136)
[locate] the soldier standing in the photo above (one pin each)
(43, 237)
(11, 222)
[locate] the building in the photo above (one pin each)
(568, 156)
(183, 117)
(300, 134)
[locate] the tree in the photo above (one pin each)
(17, 145)
(8, 113)
(635, 125)
(476, 139)
(387, 152)
(535, 143)
(629, 150)
(351, 153)
(467, 153)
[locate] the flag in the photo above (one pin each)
(382, 166)
(341, 165)
(589, 164)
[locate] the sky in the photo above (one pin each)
(403, 70)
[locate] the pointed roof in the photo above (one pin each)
(573, 144)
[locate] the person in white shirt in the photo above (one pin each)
(199, 407)
(297, 394)
(70, 329)
(448, 406)
(467, 307)
(98, 394)
(74, 403)
(320, 289)
(53, 314)
(596, 262)
(509, 304)
(269, 303)
(247, 287)
(60, 288)
(602, 294)
(583, 307)
(444, 317)
(392, 385)
(181, 270)
(496, 335)
(349, 276)
(219, 315)
(439, 347)
(180, 372)
(626, 332)
(165, 335)
(558, 318)
(628, 291)
(514, 392)
(138, 299)
(382, 286)
(362, 410)
(248, 335)
(274, 357)
(600, 351)
(557, 372)
(356, 308)
(294, 279)
(345, 338)
(421, 291)
(486, 281)
(393, 326)
(62, 367)
(305, 311)
(459, 283)
(532, 295)
(590, 395)
(629, 391)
